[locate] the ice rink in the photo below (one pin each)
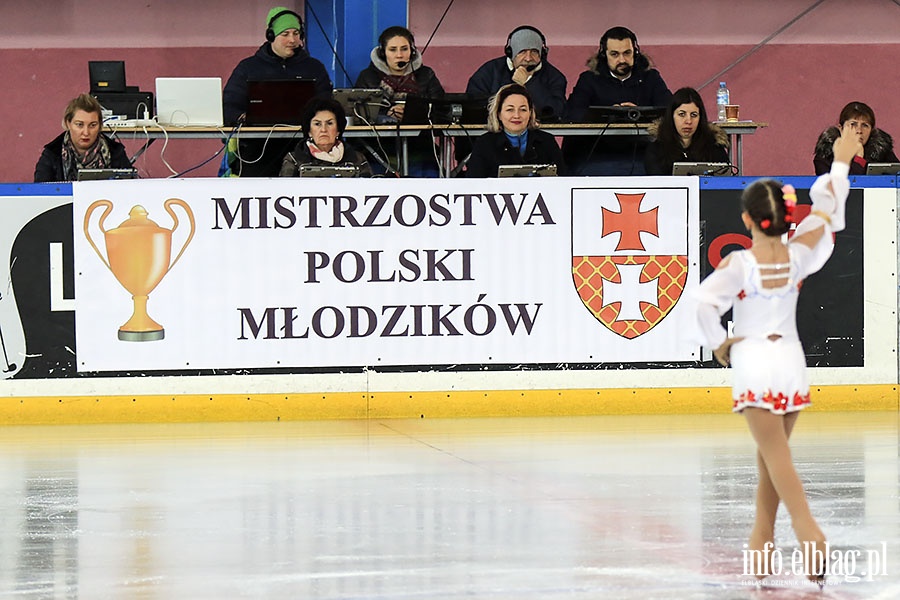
(570, 507)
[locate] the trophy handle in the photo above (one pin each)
(187, 209)
(87, 218)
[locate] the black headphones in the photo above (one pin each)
(392, 32)
(508, 49)
(619, 33)
(270, 33)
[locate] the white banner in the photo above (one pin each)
(254, 273)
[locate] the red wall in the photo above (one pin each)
(797, 82)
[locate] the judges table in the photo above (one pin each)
(446, 133)
(735, 130)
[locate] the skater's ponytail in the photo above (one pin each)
(770, 205)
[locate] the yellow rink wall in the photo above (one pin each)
(370, 394)
(434, 404)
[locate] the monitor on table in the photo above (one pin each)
(544, 170)
(364, 103)
(107, 76)
(104, 174)
(701, 168)
(329, 171)
(882, 168)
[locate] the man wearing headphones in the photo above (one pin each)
(282, 56)
(618, 75)
(525, 63)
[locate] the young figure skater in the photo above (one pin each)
(769, 368)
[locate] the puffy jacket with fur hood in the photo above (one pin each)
(879, 148)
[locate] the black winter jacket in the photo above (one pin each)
(265, 64)
(301, 155)
(598, 87)
(879, 148)
(493, 149)
(49, 166)
(657, 161)
(547, 86)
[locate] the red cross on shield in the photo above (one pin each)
(629, 254)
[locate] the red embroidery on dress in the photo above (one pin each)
(779, 403)
(741, 295)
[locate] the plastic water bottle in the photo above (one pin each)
(723, 97)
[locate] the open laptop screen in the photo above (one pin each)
(189, 101)
(278, 101)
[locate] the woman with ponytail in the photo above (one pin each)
(770, 386)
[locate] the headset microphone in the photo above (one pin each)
(530, 68)
(402, 64)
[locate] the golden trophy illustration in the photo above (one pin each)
(139, 251)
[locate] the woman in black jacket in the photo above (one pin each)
(396, 69)
(513, 137)
(877, 145)
(684, 134)
(323, 123)
(81, 145)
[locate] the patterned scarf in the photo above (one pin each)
(96, 157)
(334, 156)
(398, 86)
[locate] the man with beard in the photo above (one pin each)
(525, 63)
(618, 75)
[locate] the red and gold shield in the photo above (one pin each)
(629, 256)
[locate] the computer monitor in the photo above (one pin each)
(623, 114)
(364, 103)
(189, 101)
(278, 101)
(450, 108)
(702, 168)
(544, 170)
(103, 174)
(882, 168)
(329, 171)
(107, 76)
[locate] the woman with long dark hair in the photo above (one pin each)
(684, 134)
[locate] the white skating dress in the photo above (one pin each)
(771, 373)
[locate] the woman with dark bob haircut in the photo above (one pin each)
(684, 134)
(513, 137)
(877, 145)
(323, 124)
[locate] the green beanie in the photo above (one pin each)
(286, 21)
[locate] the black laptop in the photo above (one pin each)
(278, 101)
